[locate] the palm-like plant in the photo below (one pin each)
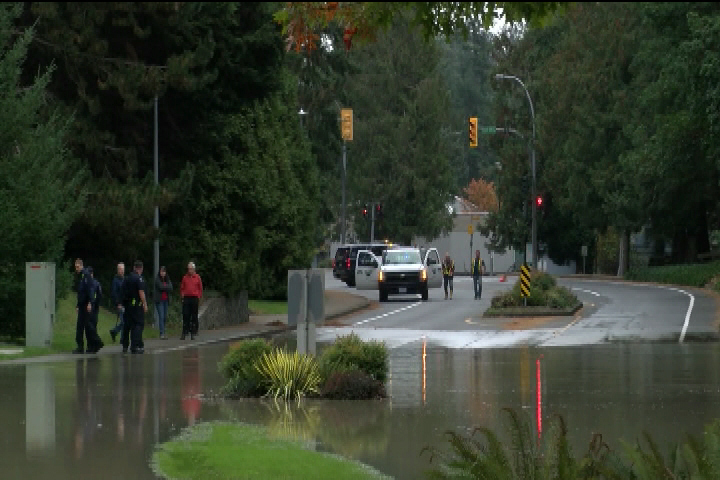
(289, 374)
(525, 458)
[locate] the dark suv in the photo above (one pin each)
(345, 257)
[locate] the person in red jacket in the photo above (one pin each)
(191, 291)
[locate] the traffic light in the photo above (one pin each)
(365, 211)
(539, 201)
(473, 131)
(378, 210)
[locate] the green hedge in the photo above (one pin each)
(691, 275)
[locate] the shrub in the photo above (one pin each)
(486, 456)
(352, 385)
(561, 297)
(542, 281)
(238, 366)
(506, 299)
(289, 374)
(349, 353)
(691, 275)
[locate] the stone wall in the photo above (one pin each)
(222, 312)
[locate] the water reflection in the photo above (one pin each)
(39, 410)
(87, 408)
(102, 417)
(191, 385)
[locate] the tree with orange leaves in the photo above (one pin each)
(482, 194)
(302, 20)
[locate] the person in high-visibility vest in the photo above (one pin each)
(448, 267)
(477, 270)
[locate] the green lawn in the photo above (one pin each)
(265, 307)
(224, 451)
(63, 340)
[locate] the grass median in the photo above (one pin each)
(267, 307)
(240, 451)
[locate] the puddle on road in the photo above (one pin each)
(101, 417)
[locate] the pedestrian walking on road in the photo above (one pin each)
(191, 290)
(448, 267)
(478, 270)
(85, 328)
(136, 307)
(116, 297)
(163, 287)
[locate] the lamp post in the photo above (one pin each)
(156, 222)
(302, 113)
(500, 76)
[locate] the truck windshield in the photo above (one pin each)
(402, 258)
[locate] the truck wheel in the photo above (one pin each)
(350, 283)
(425, 294)
(383, 295)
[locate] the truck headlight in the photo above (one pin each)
(381, 276)
(423, 274)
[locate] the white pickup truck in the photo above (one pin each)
(400, 270)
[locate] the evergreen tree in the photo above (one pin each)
(42, 187)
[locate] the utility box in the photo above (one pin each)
(39, 303)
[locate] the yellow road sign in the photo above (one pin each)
(470, 229)
(524, 280)
(346, 119)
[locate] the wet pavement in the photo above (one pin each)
(102, 417)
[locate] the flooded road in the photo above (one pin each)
(102, 417)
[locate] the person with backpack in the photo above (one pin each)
(87, 310)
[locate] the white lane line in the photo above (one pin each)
(586, 291)
(687, 314)
(384, 315)
(686, 324)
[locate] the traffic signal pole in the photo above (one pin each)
(372, 223)
(344, 169)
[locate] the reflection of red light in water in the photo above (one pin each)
(539, 397)
(191, 386)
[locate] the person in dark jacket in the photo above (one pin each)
(163, 287)
(116, 296)
(135, 304)
(84, 309)
(96, 293)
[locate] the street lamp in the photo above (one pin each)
(302, 113)
(500, 76)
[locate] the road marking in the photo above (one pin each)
(689, 311)
(384, 315)
(561, 331)
(586, 291)
(686, 324)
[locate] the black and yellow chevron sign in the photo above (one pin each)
(524, 280)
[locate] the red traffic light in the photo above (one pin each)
(539, 201)
(364, 212)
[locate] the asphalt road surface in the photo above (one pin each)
(613, 311)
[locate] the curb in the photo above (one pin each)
(536, 313)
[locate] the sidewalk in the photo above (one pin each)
(337, 304)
